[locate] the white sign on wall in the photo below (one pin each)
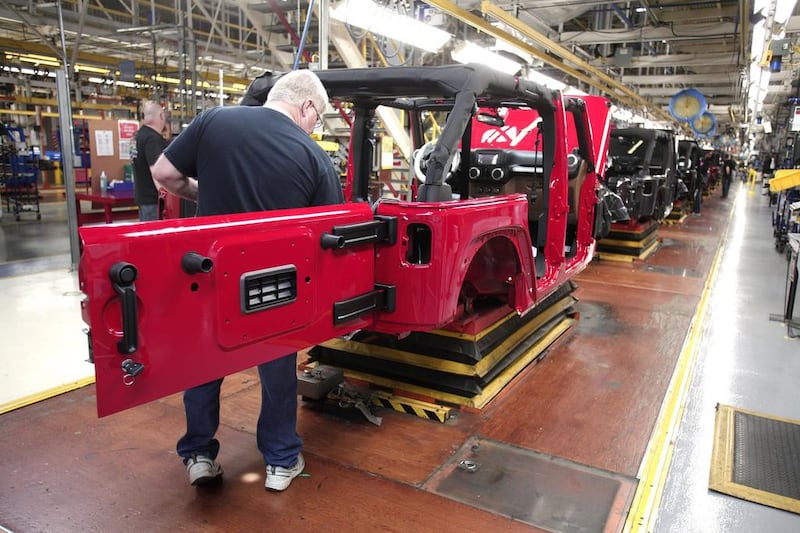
(796, 118)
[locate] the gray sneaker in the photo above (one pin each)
(203, 470)
(279, 478)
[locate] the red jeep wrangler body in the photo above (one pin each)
(176, 303)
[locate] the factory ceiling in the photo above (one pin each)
(639, 53)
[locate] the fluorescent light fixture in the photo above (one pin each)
(759, 41)
(467, 52)
(25, 70)
(504, 46)
(368, 15)
(621, 114)
(759, 86)
(783, 10)
(89, 68)
(40, 62)
(143, 29)
(545, 80)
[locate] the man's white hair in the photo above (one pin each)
(296, 87)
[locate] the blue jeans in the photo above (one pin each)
(276, 431)
(148, 212)
(698, 198)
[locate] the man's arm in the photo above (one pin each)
(169, 177)
(152, 152)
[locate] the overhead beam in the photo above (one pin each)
(723, 45)
(598, 77)
(212, 20)
(698, 14)
(707, 91)
(687, 79)
(351, 55)
(101, 38)
(675, 60)
(650, 33)
(258, 27)
(110, 62)
(720, 101)
(480, 24)
(581, 70)
(32, 27)
(744, 33)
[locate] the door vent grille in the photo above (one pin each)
(268, 288)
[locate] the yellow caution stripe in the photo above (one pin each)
(477, 337)
(481, 368)
(489, 391)
(643, 243)
(411, 406)
(613, 256)
(677, 219)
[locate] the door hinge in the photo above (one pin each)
(382, 229)
(383, 298)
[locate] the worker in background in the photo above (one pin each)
(702, 183)
(148, 145)
(728, 173)
(240, 159)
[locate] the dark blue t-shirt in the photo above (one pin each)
(253, 159)
(146, 150)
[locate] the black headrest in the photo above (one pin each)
(256, 93)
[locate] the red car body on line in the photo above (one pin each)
(176, 303)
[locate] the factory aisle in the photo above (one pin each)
(40, 322)
(744, 360)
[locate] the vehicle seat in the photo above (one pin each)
(495, 172)
(577, 170)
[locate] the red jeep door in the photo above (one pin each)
(178, 303)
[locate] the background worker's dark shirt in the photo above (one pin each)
(149, 145)
(730, 166)
(275, 164)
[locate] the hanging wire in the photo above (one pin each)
(304, 36)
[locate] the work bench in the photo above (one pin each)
(109, 200)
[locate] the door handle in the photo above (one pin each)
(122, 276)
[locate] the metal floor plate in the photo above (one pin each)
(540, 490)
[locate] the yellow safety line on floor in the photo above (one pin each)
(44, 395)
(658, 456)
